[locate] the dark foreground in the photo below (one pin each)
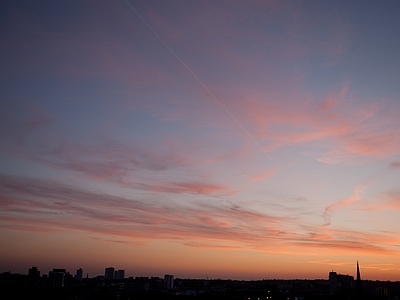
(16, 286)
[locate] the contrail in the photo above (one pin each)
(358, 189)
(197, 78)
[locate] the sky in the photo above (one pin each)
(221, 139)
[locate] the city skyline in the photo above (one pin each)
(111, 273)
(239, 139)
(61, 284)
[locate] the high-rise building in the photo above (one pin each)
(382, 291)
(109, 273)
(333, 282)
(119, 274)
(59, 278)
(169, 281)
(137, 284)
(79, 274)
(33, 273)
(339, 282)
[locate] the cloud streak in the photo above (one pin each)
(38, 205)
(107, 133)
(338, 205)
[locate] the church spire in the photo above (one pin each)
(358, 283)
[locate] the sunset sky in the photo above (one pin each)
(228, 139)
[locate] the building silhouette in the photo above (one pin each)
(137, 284)
(79, 274)
(109, 273)
(169, 281)
(119, 274)
(339, 282)
(333, 284)
(59, 278)
(358, 281)
(33, 273)
(59, 284)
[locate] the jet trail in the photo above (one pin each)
(197, 78)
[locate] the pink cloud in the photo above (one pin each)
(338, 205)
(344, 130)
(395, 164)
(262, 176)
(107, 56)
(389, 200)
(109, 160)
(329, 103)
(37, 205)
(104, 159)
(189, 187)
(89, 51)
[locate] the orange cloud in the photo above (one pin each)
(189, 187)
(389, 200)
(37, 205)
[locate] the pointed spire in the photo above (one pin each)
(358, 283)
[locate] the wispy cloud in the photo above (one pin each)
(385, 201)
(39, 205)
(343, 130)
(262, 176)
(188, 187)
(395, 164)
(138, 150)
(342, 203)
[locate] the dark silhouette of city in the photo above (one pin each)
(61, 284)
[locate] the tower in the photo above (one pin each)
(59, 278)
(358, 282)
(79, 274)
(333, 284)
(109, 273)
(169, 281)
(119, 274)
(34, 273)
